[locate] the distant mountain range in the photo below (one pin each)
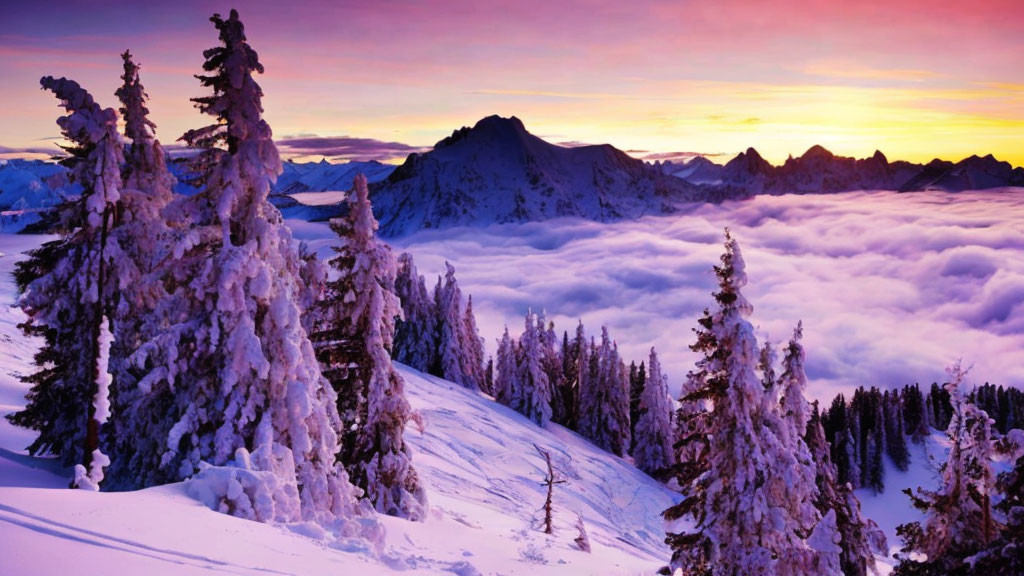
(497, 172)
(819, 171)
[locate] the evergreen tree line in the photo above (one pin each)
(974, 520)
(193, 338)
(577, 382)
(874, 424)
(437, 332)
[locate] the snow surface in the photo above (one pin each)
(476, 458)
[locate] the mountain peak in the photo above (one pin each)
(817, 151)
(492, 126)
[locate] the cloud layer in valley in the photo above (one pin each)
(892, 288)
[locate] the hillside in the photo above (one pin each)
(476, 457)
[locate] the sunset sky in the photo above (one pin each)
(916, 79)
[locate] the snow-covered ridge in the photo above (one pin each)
(475, 456)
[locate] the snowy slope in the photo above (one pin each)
(475, 456)
(26, 186)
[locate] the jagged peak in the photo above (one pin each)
(751, 153)
(879, 157)
(492, 126)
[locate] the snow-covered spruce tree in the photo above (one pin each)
(141, 235)
(552, 362)
(453, 360)
(532, 395)
(895, 438)
(796, 412)
(506, 379)
(355, 327)
(691, 441)
(73, 289)
(766, 366)
(637, 381)
(568, 390)
(246, 409)
(652, 449)
(604, 401)
(415, 337)
(1005, 556)
(860, 537)
(747, 507)
(474, 353)
(958, 521)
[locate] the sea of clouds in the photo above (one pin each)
(892, 288)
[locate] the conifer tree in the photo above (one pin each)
(71, 288)
(604, 402)
(234, 370)
(353, 343)
(474, 354)
(456, 361)
(1005, 556)
(532, 394)
(860, 537)
(415, 337)
(652, 451)
(896, 440)
(637, 381)
(747, 520)
(506, 379)
(959, 521)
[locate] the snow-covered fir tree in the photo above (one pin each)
(506, 378)
(141, 235)
(74, 287)
(415, 336)
(353, 341)
(454, 362)
(796, 412)
(895, 439)
(652, 441)
(748, 506)
(474, 353)
(860, 537)
(959, 520)
(692, 418)
(604, 399)
(1005, 556)
(531, 395)
(568, 389)
(245, 406)
(637, 381)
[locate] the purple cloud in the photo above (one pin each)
(346, 148)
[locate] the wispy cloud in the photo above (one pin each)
(345, 148)
(845, 69)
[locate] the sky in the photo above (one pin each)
(916, 79)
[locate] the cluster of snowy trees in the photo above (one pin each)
(760, 488)
(584, 385)
(437, 333)
(577, 382)
(193, 338)
(876, 424)
(964, 531)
